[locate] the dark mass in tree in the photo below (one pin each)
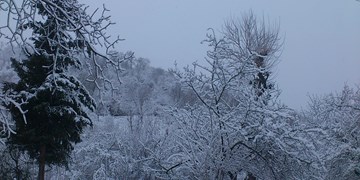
(56, 104)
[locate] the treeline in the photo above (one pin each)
(217, 119)
(152, 125)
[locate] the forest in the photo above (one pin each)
(73, 106)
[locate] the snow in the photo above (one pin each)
(203, 122)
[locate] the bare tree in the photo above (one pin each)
(338, 114)
(250, 41)
(239, 125)
(85, 30)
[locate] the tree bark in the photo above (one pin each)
(250, 176)
(41, 175)
(232, 176)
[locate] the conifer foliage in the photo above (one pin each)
(54, 105)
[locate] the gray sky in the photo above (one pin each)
(321, 48)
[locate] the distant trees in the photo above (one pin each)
(15, 164)
(7, 75)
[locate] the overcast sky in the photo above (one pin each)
(321, 37)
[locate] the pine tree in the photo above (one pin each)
(56, 104)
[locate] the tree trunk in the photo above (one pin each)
(42, 163)
(250, 176)
(232, 176)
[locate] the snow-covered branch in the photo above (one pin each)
(78, 32)
(6, 123)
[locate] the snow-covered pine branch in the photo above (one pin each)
(78, 31)
(64, 31)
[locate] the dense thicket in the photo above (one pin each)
(320, 142)
(217, 119)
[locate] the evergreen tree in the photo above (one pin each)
(57, 104)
